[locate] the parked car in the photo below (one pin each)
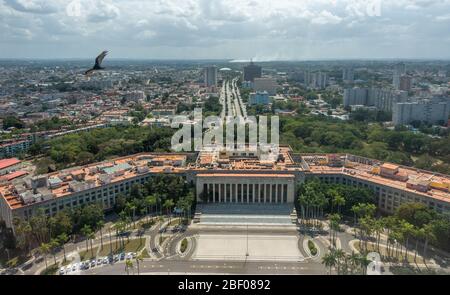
(62, 270)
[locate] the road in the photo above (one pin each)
(213, 267)
(230, 98)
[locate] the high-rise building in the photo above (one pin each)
(252, 71)
(399, 70)
(382, 99)
(348, 75)
(435, 111)
(317, 80)
(210, 75)
(265, 84)
(405, 83)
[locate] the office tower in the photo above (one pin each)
(210, 75)
(252, 71)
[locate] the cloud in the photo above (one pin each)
(32, 6)
(224, 28)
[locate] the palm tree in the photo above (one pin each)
(168, 204)
(150, 201)
(340, 254)
(429, 236)
(91, 237)
(54, 244)
(364, 262)
(85, 231)
(100, 225)
(408, 230)
(419, 234)
(329, 260)
(62, 238)
(45, 249)
(354, 261)
(139, 258)
(128, 265)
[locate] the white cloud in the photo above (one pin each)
(222, 28)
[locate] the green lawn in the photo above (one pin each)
(133, 245)
(85, 255)
(312, 248)
(51, 270)
(399, 258)
(184, 245)
(145, 254)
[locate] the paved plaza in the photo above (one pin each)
(260, 248)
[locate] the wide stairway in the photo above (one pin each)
(246, 214)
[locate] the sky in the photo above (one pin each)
(263, 30)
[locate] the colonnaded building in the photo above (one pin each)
(237, 179)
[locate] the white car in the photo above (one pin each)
(62, 270)
(68, 268)
(75, 267)
(129, 256)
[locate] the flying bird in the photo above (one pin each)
(98, 63)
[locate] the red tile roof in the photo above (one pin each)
(14, 175)
(5, 163)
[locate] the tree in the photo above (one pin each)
(86, 232)
(62, 239)
(44, 248)
(329, 260)
(407, 230)
(100, 225)
(128, 265)
(168, 204)
(339, 254)
(54, 244)
(139, 258)
(91, 237)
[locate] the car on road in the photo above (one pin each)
(87, 264)
(122, 256)
(134, 254)
(116, 258)
(68, 268)
(75, 267)
(93, 263)
(62, 270)
(129, 255)
(99, 261)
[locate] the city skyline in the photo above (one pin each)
(308, 30)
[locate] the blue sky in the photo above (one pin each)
(235, 29)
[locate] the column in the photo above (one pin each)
(282, 192)
(214, 192)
